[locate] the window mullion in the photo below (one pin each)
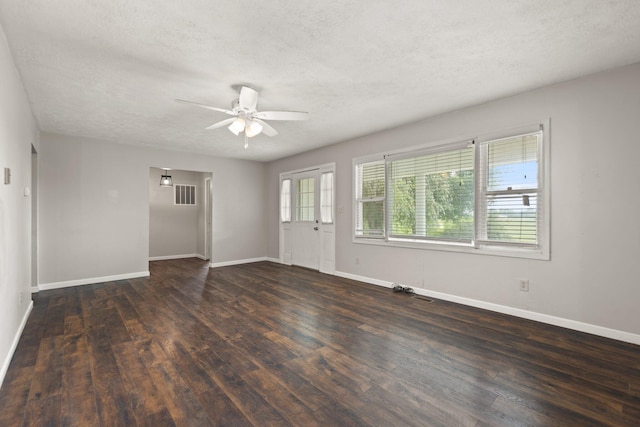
(479, 201)
(387, 200)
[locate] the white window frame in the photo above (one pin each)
(484, 194)
(357, 199)
(541, 251)
(415, 154)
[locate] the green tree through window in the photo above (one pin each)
(485, 193)
(431, 196)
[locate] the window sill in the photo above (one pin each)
(501, 251)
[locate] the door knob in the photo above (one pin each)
(315, 228)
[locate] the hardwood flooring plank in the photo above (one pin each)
(180, 400)
(336, 414)
(43, 404)
(78, 403)
(146, 402)
(221, 410)
(114, 409)
(252, 405)
(14, 395)
(280, 398)
(264, 344)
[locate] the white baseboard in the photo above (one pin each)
(364, 279)
(92, 280)
(276, 260)
(14, 344)
(34, 289)
(525, 314)
(168, 257)
(238, 262)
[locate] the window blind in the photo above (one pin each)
(370, 196)
(509, 204)
(430, 196)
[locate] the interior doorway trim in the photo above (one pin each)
(208, 235)
(34, 220)
(327, 240)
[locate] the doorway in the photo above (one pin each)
(180, 212)
(34, 219)
(307, 226)
(207, 218)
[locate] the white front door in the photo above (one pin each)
(305, 220)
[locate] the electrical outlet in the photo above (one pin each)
(357, 260)
(524, 285)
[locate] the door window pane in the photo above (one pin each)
(305, 208)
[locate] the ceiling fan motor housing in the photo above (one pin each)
(235, 106)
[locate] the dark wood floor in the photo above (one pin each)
(269, 345)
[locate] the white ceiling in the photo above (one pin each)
(111, 69)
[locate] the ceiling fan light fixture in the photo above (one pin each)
(253, 128)
(237, 126)
(247, 118)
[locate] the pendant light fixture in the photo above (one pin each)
(165, 180)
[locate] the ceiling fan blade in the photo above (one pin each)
(248, 98)
(209, 107)
(220, 124)
(266, 128)
(282, 115)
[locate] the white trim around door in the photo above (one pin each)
(291, 212)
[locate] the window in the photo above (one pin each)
(285, 201)
(487, 195)
(370, 183)
(509, 191)
(305, 208)
(185, 195)
(431, 196)
(326, 198)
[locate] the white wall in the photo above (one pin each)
(175, 230)
(591, 282)
(18, 132)
(94, 210)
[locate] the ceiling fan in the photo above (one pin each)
(247, 118)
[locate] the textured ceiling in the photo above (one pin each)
(111, 69)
